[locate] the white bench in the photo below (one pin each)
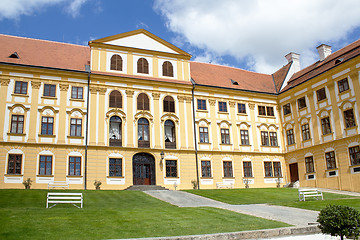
(58, 184)
(224, 185)
(72, 198)
(310, 192)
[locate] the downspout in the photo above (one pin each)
(87, 69)
(194, 124)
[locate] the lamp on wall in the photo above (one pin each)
(161, 156)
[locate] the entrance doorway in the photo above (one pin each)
(143, 169)
(294, 172)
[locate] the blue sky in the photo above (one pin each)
(253, 35)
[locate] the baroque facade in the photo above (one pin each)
(132, 109)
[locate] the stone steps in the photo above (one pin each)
(145, 188)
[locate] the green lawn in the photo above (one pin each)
(113, 214)
(276, 196)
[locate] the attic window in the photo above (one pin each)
(234, 82)
(14, 55)
(339, 60)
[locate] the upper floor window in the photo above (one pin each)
(115, 133)
(343, 85)
(321, 94)
(305, 130)
(143, 133)
(167, 69)
(225, 136)
(349, 118)
(273, 139)
(142, 66)
(205, 168)
(244, 134)
(17, 124)
(47, 125)
(20, 87)
(45, 165)
(266, 111)
(330, 160)
(75, 166)
(266, 141)
(204, 134)
(354, 155)
(290, 136)
(325, 125)
(116, 62)
(143, 102)
(287, 109)
(77, 92)
(222, 107)
(14, 164)
(201, 103)
(115, 99)
(169, 104)
(301, 103)
(76, 127)
(170, 140)
(228, 171)
(115, 167)
(309, 164)
(241, 108)
(171, 168)
(49, 90)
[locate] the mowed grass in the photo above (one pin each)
(276, 196)
(113, 214)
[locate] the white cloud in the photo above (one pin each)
(14, 9)
(261, 31)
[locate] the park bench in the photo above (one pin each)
(224, 185)
(310, 192)
(58, 184)
(57, 197)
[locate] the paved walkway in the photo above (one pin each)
(292, 216)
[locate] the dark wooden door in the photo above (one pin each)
(294, 172)
(143, 169)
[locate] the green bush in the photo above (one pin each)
(340, 221)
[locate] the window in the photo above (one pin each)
(143, 102)
(277, 169)
(201, 103)
(116, 62)
(268, 169)
(266, 111)
(167, 69)
(270, 111)
(14, 164)
(244, 134)
(45, 165)
(247, 169)
(325, 125)
(241, 108)
(115, 99)
(262, 110)
(330, 160)
(142, 66)
(47, 125)
(170, 140)
(20, 87)
(264, 138)
(272, 169)
(75, 127)
(225, 136)
(204, 134)
(309, 164)
(321, 94)
(49, 90)
(77, 92)
(287, 109)
(273, 138)
(115, 131)
(205, 168)
(74, 166)
(169, 104)
(222, 107)
(301, 103)
(354, 155)
(305, 130)
(343, 85)
(17, 124)
(349, 118)
(228, 172)
(115, 167)
(143, 133)
(171, 168)
(290, 136)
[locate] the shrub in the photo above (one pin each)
(194, 184)
(97, 184)
(27, 183)
(340, 221)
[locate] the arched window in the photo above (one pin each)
(116, 62)
(169, 104)
(143, 102)
(170, 140)
(115, 99)
(115, 136)
(167, 69)
(142, 66)
(143, 133)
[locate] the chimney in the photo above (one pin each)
(324, 51)
(295, 59)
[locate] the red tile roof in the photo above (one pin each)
(223, 76)
(280, 75)
(43, 53)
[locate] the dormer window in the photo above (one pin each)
(116, 63)
(234, 82)
(142, 66)
(14, 55)
(167, 69)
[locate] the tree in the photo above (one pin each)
(340, 221)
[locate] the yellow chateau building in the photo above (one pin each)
(132, 109)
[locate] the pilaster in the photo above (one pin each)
(3, 93)
(131, 134)
(214, 129)
(62, 112)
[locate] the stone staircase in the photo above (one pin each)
(145, 188)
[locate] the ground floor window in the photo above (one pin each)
(14, 164)
(277, 169)
(228, 172)
(115, 167)
(171, 168)
(74, 166)
(205, 168)
(45, 165)
(354, 155)
(247, 169)
(330, 160)
(309, 164)
(272, 169)
(268, 169)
